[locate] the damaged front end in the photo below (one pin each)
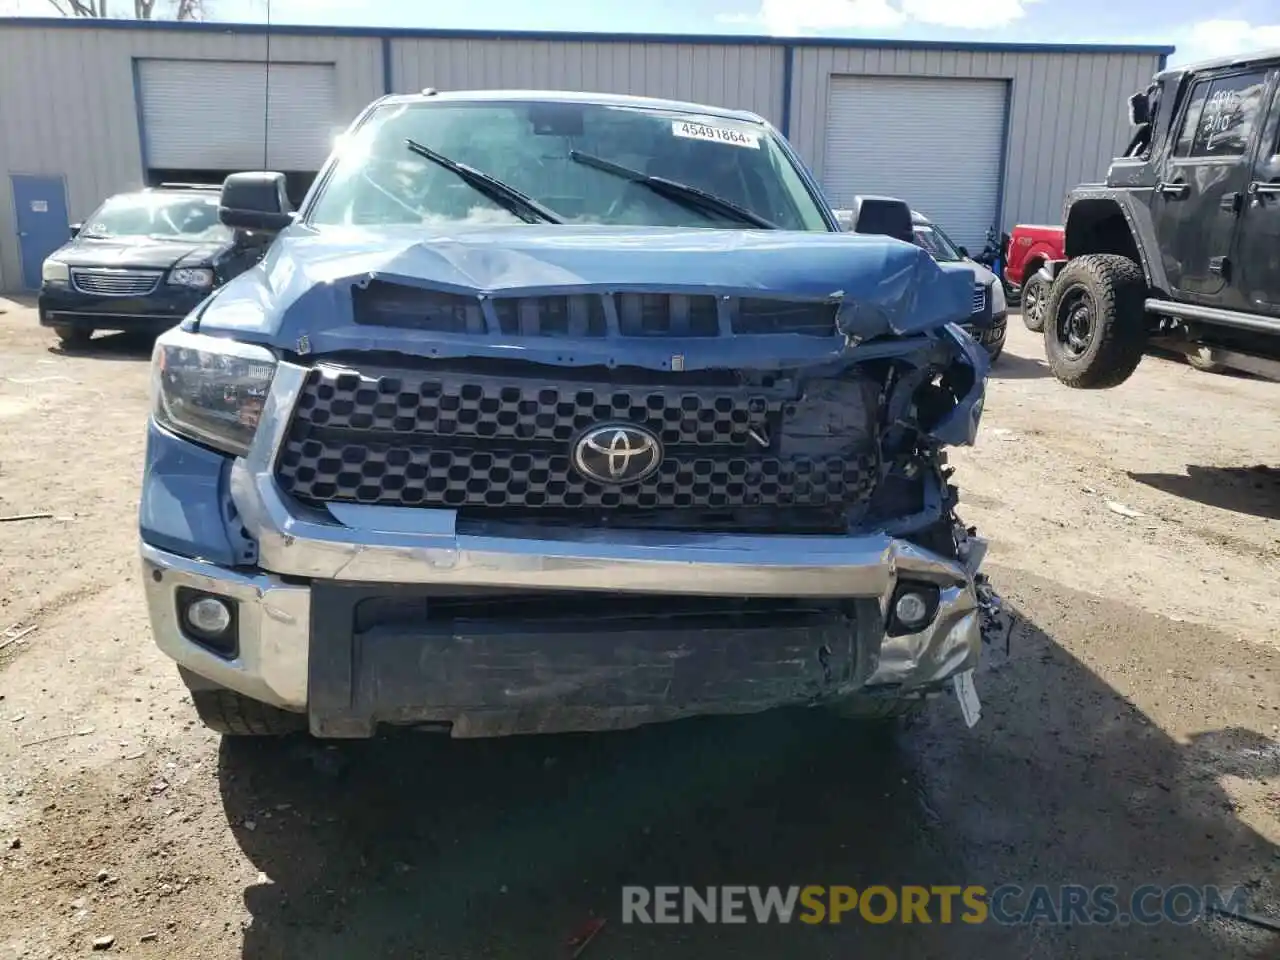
(531, 488)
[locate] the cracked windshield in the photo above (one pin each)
(583, 162)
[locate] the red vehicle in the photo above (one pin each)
(1030, 247)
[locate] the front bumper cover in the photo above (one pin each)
(64, 306)
(301, 647)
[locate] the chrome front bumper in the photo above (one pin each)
(401, 547)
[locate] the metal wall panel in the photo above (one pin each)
(747, 77)
(917, 115)
(1067, 111)
(68, 99)
(179, 96)
(67, 102)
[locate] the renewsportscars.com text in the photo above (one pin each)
(1007, 904)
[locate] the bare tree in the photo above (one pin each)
(142, 9)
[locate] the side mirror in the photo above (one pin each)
(883, 215)
(964, 252)
(75, 229)
(1139, 109)
(255, 201)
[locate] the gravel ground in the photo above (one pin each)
(1130, 735)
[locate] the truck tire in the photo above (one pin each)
(73, 338)
(877, 709)
(227, 712)
(1208, 366)
(1095, 321)
(993, 341)
(1033, 295)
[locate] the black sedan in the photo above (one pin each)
(141, 262)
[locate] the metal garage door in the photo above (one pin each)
(208, 114)
(935, 143)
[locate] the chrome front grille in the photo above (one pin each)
(460, 440)
(979, 297)
(116, 283)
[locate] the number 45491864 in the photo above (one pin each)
(716, 134)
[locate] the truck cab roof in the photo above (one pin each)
(1234, 60)
(569, 96)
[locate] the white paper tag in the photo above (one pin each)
(705, 131)
(967, 694)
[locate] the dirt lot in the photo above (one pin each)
(1130, 736)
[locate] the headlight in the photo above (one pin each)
(54, 271)
(998, 304)
(209, 389)
(199, 277)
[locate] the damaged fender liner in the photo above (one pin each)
(406, 655)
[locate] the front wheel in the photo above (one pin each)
(233, 714)
(1208, 366)
(993, 341)
(877, 709)
(1033, 294)
(73, 338)
(1095, 321)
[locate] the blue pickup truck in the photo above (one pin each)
(554, 412)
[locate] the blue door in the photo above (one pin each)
(40, 204)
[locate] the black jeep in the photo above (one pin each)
(1180, 247)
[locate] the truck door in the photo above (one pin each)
(1197, 204)
(1258, 245)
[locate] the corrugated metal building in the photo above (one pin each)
(972, 135)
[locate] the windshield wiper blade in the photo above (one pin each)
(526, 208)
(682, 193)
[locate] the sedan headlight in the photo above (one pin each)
(998, 303)
(54, 271)
(209, 389)
(201, 278)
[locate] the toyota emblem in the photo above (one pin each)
(617, 454)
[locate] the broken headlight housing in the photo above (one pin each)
(209, 389)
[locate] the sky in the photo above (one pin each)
(1196, 28)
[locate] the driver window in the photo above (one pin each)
(1230, 113)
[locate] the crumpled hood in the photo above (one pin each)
(300, 295)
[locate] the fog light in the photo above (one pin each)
(912, 609)
(209, 616)
(210, 621)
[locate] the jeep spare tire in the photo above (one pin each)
(1095, 323)
(1033, 295)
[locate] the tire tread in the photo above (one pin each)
(230, 713)
(1032, 325)
(1119, 290)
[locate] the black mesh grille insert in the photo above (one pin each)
(462, 440)
(414, 474)
(463, 405)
